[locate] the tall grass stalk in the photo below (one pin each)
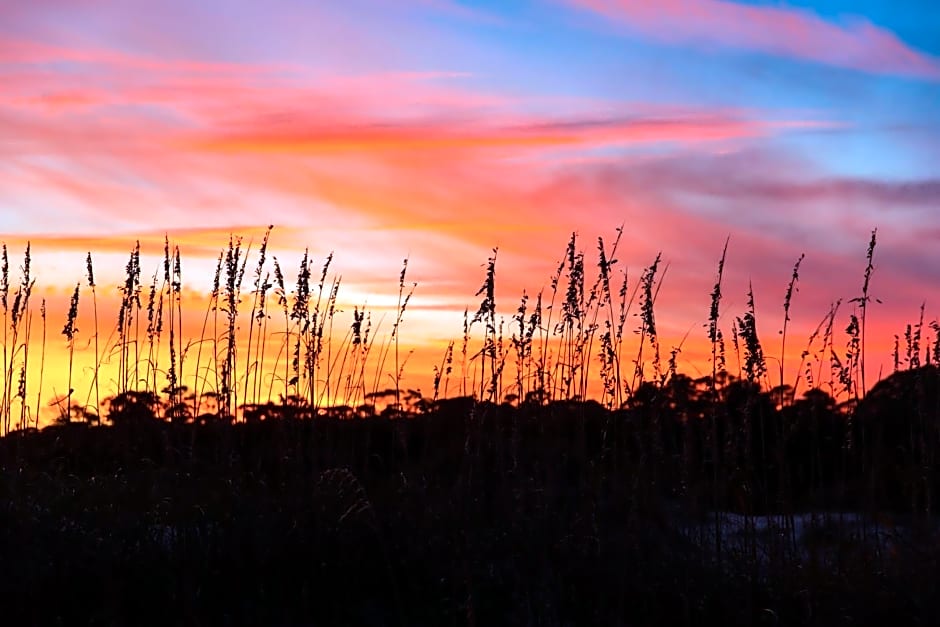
(130, 295)
(94, 305)
(570, 326)
(363, 340)
(19, 314)
(154, 330)
(4, 295)
(234, 267)
(300, 316)
(809, 356)
(716, 340)
(755, 372)
(201, 380)
(787, 300)
(755, 366)
(486, 314)
(175, 388)
(69, 331)
(261, 318)
(280, 291)
(647, 330)
(322, 311)
(42, 362)
(338, 368)
(863, 302)
(395, 334)
(715, 337)
(546, 357)
(392, 343)
(443, 372)
(24, 368)
(257, 316)
(464, 347)
(609, 355)
(522, 345)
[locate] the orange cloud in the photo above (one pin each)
(457, 135)
(196, 240)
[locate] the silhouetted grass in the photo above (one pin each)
(667, 500)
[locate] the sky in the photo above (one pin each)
(438, 130)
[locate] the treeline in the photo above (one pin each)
(730, 446)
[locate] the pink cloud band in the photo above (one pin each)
(798, 34)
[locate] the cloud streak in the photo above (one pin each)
(853, 43)
(376, 136)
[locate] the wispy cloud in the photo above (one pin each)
(769, 178)
(851, 42)
(29, 52)
(197, 241)
(376, 135)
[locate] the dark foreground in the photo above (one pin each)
(561, 514)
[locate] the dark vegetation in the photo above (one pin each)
(302, 492)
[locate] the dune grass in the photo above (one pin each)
(274, 469)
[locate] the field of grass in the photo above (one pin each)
(562, 471)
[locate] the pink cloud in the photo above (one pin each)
(413, 145)
(29, 52)
(852, 43)
(379, 166)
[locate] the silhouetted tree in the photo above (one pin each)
(895, 433)
(132, 407)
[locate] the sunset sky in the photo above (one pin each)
(437, 130)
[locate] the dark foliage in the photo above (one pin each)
(467, 513)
